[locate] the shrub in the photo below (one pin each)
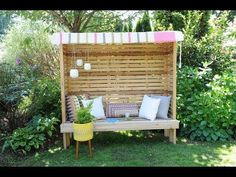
(13, 87)
(206, 110)
(45, 97)
(33, 136)
(30, 41)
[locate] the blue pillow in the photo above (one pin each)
(163, 107)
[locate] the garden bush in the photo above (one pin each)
(33, 136)
(45, 97)
(205, 106)
(24, 94)
(13, 87)
(30, 41)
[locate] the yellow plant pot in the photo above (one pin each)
(83, 132)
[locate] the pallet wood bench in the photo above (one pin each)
(169, 125)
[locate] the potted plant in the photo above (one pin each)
(83, 125)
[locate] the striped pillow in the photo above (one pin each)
(72, 104)
(119, 109)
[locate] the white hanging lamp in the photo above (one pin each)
(79, 62)
(74, 73)
(87, 65)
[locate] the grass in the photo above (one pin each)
(132, 148)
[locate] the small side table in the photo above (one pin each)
(77, 149)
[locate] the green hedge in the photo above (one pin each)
(206, 105)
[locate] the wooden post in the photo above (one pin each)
(63, 104)
(174, 81)
(166, 133)
(172, 132)
(172, 136)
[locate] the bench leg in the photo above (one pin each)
(172, 136)
(90, 148)
(77, 150)
(166, 133)
(66, 140)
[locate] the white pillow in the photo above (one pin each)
(97, 107)
(149, 107)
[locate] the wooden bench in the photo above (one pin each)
(169, 125)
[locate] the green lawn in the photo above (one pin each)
(133, 149)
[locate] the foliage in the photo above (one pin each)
(203, 36)
(5, 21)
(206, 108)
(30, 42)
(128, 26)
(13, 88)
(83, 115)
(45, 97)
(24, 94)
(143, 23)
(33, 136)
(74, 20)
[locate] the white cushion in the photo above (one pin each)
(149, 108)
(97, 107)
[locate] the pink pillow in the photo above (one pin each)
(119, 109)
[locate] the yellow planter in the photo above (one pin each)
(83, 132)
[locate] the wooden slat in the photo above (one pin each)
(127, 125)
(174, 53)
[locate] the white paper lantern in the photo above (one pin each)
(87, 66)
(74, 73)
(79, 62)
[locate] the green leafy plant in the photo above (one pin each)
(83, 115)
(33, 136)
(206, 105)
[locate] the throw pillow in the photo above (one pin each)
(149, 107)
(163, 107)
(97, 107)
(119, 109)
(72, 104)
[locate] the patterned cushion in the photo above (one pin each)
(72, 104)
(119, 109)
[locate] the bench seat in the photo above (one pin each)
(124, 124)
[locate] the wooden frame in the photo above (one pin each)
(122, 73)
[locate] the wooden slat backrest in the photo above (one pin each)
(120, 73)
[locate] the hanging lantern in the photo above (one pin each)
(87, 66)
(79, 62)
(74, 73)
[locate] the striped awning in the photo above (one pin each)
(117, 38)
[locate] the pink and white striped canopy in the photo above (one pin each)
(117, 38)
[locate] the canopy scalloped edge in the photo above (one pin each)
(116, 37)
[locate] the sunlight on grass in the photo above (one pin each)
(127, 133)
(46, 163)
(54, 150)
(228, 156)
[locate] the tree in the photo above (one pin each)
(5, 20)
(119, 27)
(143, 24)
(75, 20)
